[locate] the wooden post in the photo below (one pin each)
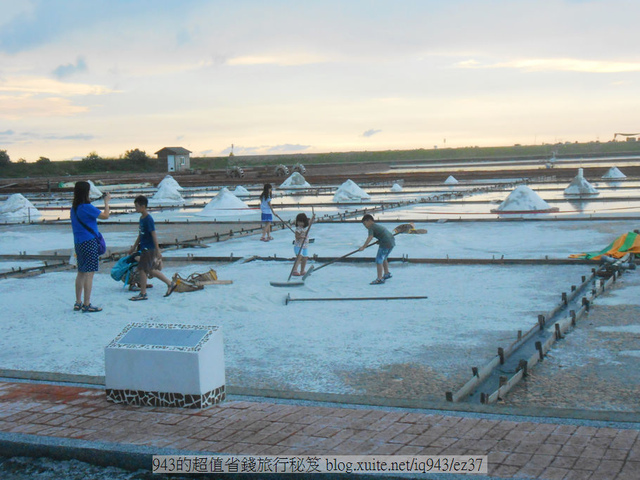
(524, 366)
(475, 371)
(539, 348)
(449, 396)
(501, 355)
(573, 288)
(558, 332)
(564, 298)
(585, 302)
(573, 317)
(541, 321)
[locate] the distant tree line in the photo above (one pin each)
(135, 160)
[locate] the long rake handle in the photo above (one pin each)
(283, 222)
(342, 257)
(349, 254)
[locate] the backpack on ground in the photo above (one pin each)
(123, 270)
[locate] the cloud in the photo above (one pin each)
(370, 133)
(558, 65)
(69, 69)
(287, 147)
(22, 137)
(265, 149)
(43, 85)
(282, 60)
(27, 105)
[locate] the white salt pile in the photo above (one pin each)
(94, 192)
(169, 180)
(296, 180)
(614, 173)
(350, 191)
(451, 180)
(396, 188)
(580, 186)
(225, 203)
(167, 194)
(240, 191)
(524, 200)
(17, 207)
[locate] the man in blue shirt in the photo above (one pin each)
(150, 253)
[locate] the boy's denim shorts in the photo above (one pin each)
(383, 253)
(305, 252)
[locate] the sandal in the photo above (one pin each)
(77, 307)
(386, 276)
(296, 274)
(90, 309)
(377, 281)
(140, 296)
(269, 237)
(171, 289)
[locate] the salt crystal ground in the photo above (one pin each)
(378, 348)
(411, 350)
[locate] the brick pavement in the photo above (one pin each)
(530, 449)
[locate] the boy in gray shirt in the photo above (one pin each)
(386, 244)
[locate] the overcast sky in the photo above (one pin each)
(276, 76)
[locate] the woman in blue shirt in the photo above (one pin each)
(86, 243)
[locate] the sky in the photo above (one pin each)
(299, 76)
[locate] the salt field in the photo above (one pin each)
(290, 339)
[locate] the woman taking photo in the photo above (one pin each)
(85, 232)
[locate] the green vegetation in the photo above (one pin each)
(138, 161)
(400, 156)
(132, 161)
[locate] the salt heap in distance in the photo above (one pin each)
(225, 203)
(17, 207)
(296, 180)
(350, 191)
(240, 191)
(614, 174)
(524, 200)
(94, 192)
(580, 187)
(451, 180)
(396, 188)
(170, 181)
(167, 194)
